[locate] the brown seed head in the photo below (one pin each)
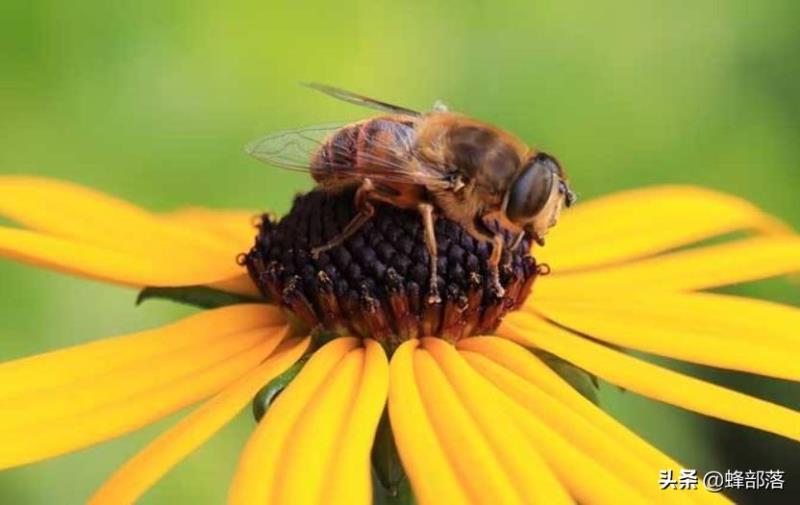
(374, 285)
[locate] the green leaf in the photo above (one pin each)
(582, 381)
(197, 296)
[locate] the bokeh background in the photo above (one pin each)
(153, 101)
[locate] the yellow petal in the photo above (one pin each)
(236, 226)
(467, 447)
(139, 473)
(722, 331)
(641, 222)
(70, 211)
(526, 366)
(651, 380)
(424, 457)
(532, 384)
(587, 481)
(87, 395)
(103, 264)
(35, 442)
(101, 237)
(32, 374)
(309, 453)
(523, 466)
(256, 477)
(349, 481)
(587, 461)
(706, 267)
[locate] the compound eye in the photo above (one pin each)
(531, 189)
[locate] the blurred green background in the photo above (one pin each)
(153, 101)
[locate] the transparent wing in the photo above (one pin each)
(297, 149)
(361, 100)
(292, 149)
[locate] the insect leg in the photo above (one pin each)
(365, 212)
(426, 211)
(479, 230)
(494, 262)
(517, 240)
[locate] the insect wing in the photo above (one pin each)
(297, 149)
(292, 149)
(361, 100)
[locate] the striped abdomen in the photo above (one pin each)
(375, 145)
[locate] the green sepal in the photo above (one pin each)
(387, 467)
(267, 395)
(581, 381)
(203, 297)
(320, 336)
(402, 495)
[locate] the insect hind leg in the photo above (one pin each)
(429, 233)
(365, 212)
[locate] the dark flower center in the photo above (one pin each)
(375, 284)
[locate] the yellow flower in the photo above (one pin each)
(482, 421)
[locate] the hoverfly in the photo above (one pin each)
(438, 162)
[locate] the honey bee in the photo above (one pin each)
(438, 163)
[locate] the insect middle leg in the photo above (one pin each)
(365, 212)
(428, 217)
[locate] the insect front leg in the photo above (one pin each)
(479, 230)
(428, 217)
(365, 212)
(518, 240)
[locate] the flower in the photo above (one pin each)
(482, 421)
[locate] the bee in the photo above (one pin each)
(437, 163)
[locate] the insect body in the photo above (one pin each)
(439, 163)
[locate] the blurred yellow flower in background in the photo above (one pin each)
(481, 421)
